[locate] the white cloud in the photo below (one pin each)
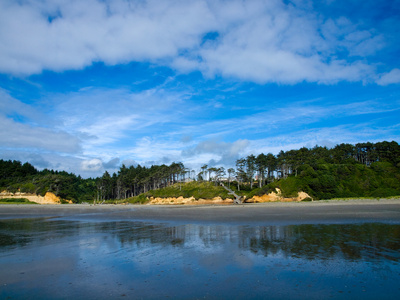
(393, 77)
(96, 124)
(149, 149)
(129, 162)
(113, 163)
(104, 118)
(166, 128)
(261, 41)
(18, 135)
(218, 152)
(82, 32)
(93, 165)
(143, 126)
(280, 43)
(109, 129)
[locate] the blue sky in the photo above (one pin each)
(86, 86)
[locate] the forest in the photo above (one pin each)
(361, 170)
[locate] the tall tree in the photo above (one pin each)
(231, 172)
(261, 165)
(204, 169)
(282, 164)
(219, 173)
(251, 168)
(212, 170)
(271, 163)
(241, 174)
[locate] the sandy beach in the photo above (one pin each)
(332, 211)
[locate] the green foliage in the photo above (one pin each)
(16, 201)
(329, 181)
(383, 167)
(384, 192)
(141, 199)
(198, 190)
(13, 188)
(307, 171)
(266, 189)
(289, 186)
(28, 187)
(361, 170)
(15, 177)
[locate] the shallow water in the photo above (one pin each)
(55, 259)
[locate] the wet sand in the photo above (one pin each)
(318, 250)
(317, 212)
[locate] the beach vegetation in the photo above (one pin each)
(197, 190)
(361, 170)
(16, 201)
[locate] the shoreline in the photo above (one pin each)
(285, 213)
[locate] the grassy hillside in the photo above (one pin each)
(198, 190)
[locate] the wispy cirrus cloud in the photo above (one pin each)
(116, 116)
(322, 136)
(24, 126)
(290, 117)
(153, 126)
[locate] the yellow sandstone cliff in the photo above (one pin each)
(48, 198)
(51, 198)
(272, 197)
(187, 201)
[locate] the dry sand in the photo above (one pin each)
(333, 211)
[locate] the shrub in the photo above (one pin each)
(28, 188)
(16, 200)
(382, 192)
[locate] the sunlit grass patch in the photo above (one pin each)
(195, 189)
(16, 201)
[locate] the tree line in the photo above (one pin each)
(320, 171)
(128, 182)
(134, 180)
(271, 167)
(361, 170)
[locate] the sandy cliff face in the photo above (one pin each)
(277, 196)
(271, 197)
(188, 201)
(49, 198)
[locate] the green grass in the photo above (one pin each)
(16, 201)
(198, 190)
(363, 198)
